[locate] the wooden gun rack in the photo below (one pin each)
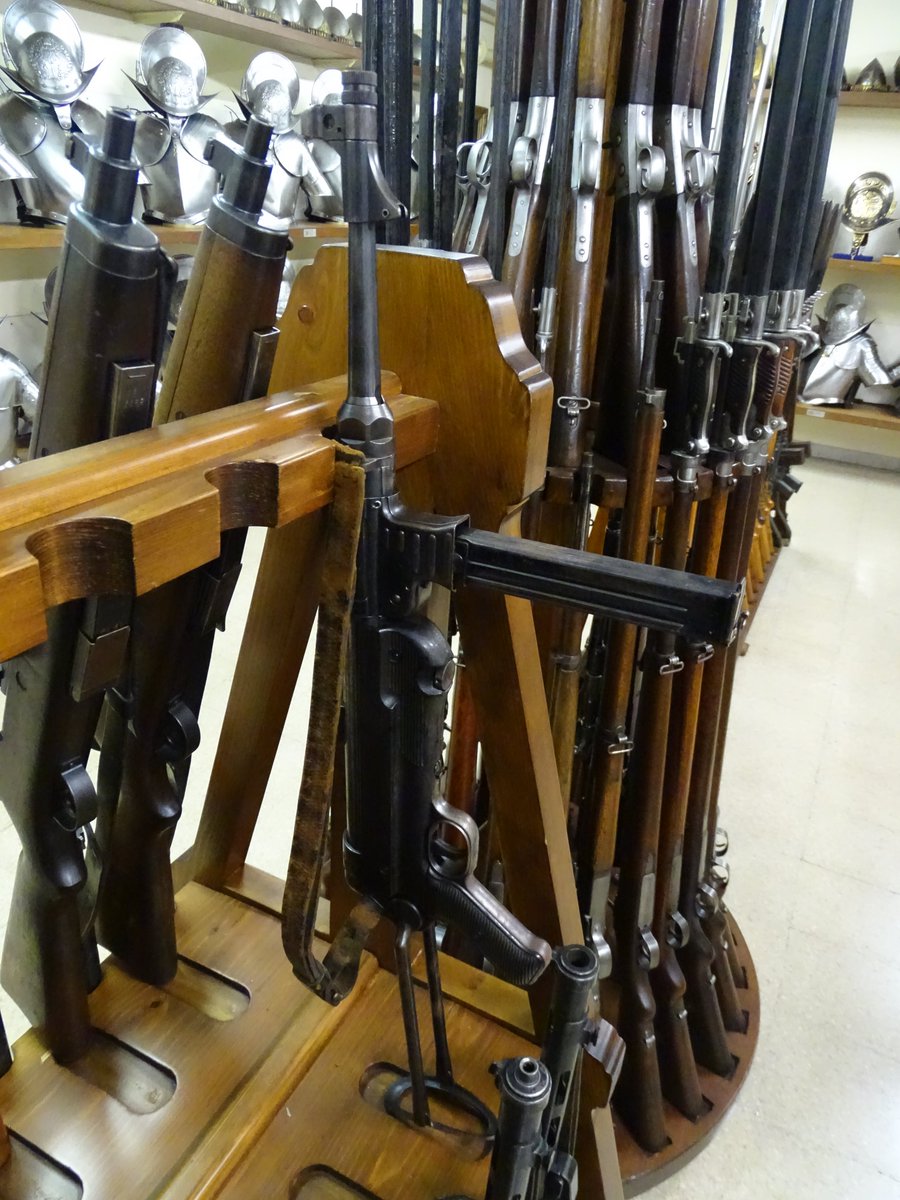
(234, 1081)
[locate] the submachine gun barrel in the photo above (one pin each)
(107, 322)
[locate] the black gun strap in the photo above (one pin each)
(334, 978)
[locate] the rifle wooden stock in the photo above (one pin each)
(43, 961)
(529, 201)
(677, 263)
(706, 35)
(574, 351)
(234, 293)
(639, 1094)
(678, 1071)
(636, 82)
(136, 910)
(580, 298)
(49, 955)
(562, 696)
(715, 922)
(598, 819)
(695, 958)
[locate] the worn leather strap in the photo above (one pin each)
(333, 978)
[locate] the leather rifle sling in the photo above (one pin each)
(333, 978)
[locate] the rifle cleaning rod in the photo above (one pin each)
(729, 175)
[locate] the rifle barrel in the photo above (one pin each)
(728, 175)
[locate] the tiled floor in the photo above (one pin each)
(810, 802)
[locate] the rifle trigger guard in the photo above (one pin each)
(450, 865)
(648, 950)
(77, 805)
(707, 901)
(524, 156)
(678, 931)
(651, 169)
(180, 733)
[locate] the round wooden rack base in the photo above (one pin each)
(687, 1138)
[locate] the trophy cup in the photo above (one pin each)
(868, 205)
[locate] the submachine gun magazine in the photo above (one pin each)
(395, 854)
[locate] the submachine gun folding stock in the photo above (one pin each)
(395, 849)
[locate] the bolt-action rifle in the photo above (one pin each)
(105, 336)
(395, 854)
(567, 332)
(530, 156)
(221, 354)
(784, 330)
(740, 437)
(704, 344)
(487, 167)
(598, 811)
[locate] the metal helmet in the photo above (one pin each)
(44, 52)
(871, 78)
(270, 90)
(844, 313)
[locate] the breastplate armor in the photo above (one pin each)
(46, 180)
(178, 183)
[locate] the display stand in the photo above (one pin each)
(234, 1080)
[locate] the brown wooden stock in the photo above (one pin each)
(597, 825)
(636, 82)
(639, 1094)
(547, 33)
(580, 299)
(574, 351)
(519, 271)
(676, 263)
(706, 31)
(562, 696)
(677, 51)
(678, 1071)
(706, 1026)
(747, 493)
(229, 289)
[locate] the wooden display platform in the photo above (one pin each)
(235, 1079)
(640, 1170)
(257, 1089)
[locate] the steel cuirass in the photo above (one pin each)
(848, 355)
(179, 183)
(44, 56)
(18, 397)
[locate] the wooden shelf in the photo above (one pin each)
(887, 264)
(869, 99)
(33, 237)
(871, 415)
(206, 17)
